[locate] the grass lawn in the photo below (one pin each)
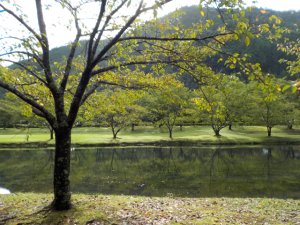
(150, 135)
(103, 209)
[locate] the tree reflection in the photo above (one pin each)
(158, 171)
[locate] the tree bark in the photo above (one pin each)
(230, 127)
(61, 182)
(132, 126)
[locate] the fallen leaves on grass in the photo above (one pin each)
(125, 210)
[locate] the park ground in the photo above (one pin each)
(30, 208)
(154, 136)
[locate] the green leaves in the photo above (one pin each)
(247, 40)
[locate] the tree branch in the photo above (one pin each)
(45, 46)
(32, 55)
(108, 18)
(117, 37)
(71, 55)
(50, 118)
(27, 69)
(95, 30)
(109, 68)
(175, 38)
(23, 23)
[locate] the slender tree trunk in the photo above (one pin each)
(170, 133)
(181, 127)
(217, 132)
(290, 126)
(230, 127)
(114, 136)
(51, 133)
(269, 129)
(61, 182)
(132, 126)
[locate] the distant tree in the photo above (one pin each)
(167, 104)
(222, 101)
(116, 108)
(212, 108)
(235, 98)
(10, 114)
(268, 105)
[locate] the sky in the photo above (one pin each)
(61, 36)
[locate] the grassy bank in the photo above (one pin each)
(102, 209)
(151, 135)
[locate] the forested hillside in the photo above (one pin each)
(261, 50)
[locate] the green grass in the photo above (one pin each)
(30, 208)
(150, 135)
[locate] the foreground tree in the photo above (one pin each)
(100, 57)
(114, 41)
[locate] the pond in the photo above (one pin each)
(171, 171)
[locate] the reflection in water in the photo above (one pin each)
(180, 171)
(4, 191)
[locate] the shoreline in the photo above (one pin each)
(162, 143)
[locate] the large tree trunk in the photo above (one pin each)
(61, 182)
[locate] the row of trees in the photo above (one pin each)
(228, 102)
(224, 101)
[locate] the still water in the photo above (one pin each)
(177, 171)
